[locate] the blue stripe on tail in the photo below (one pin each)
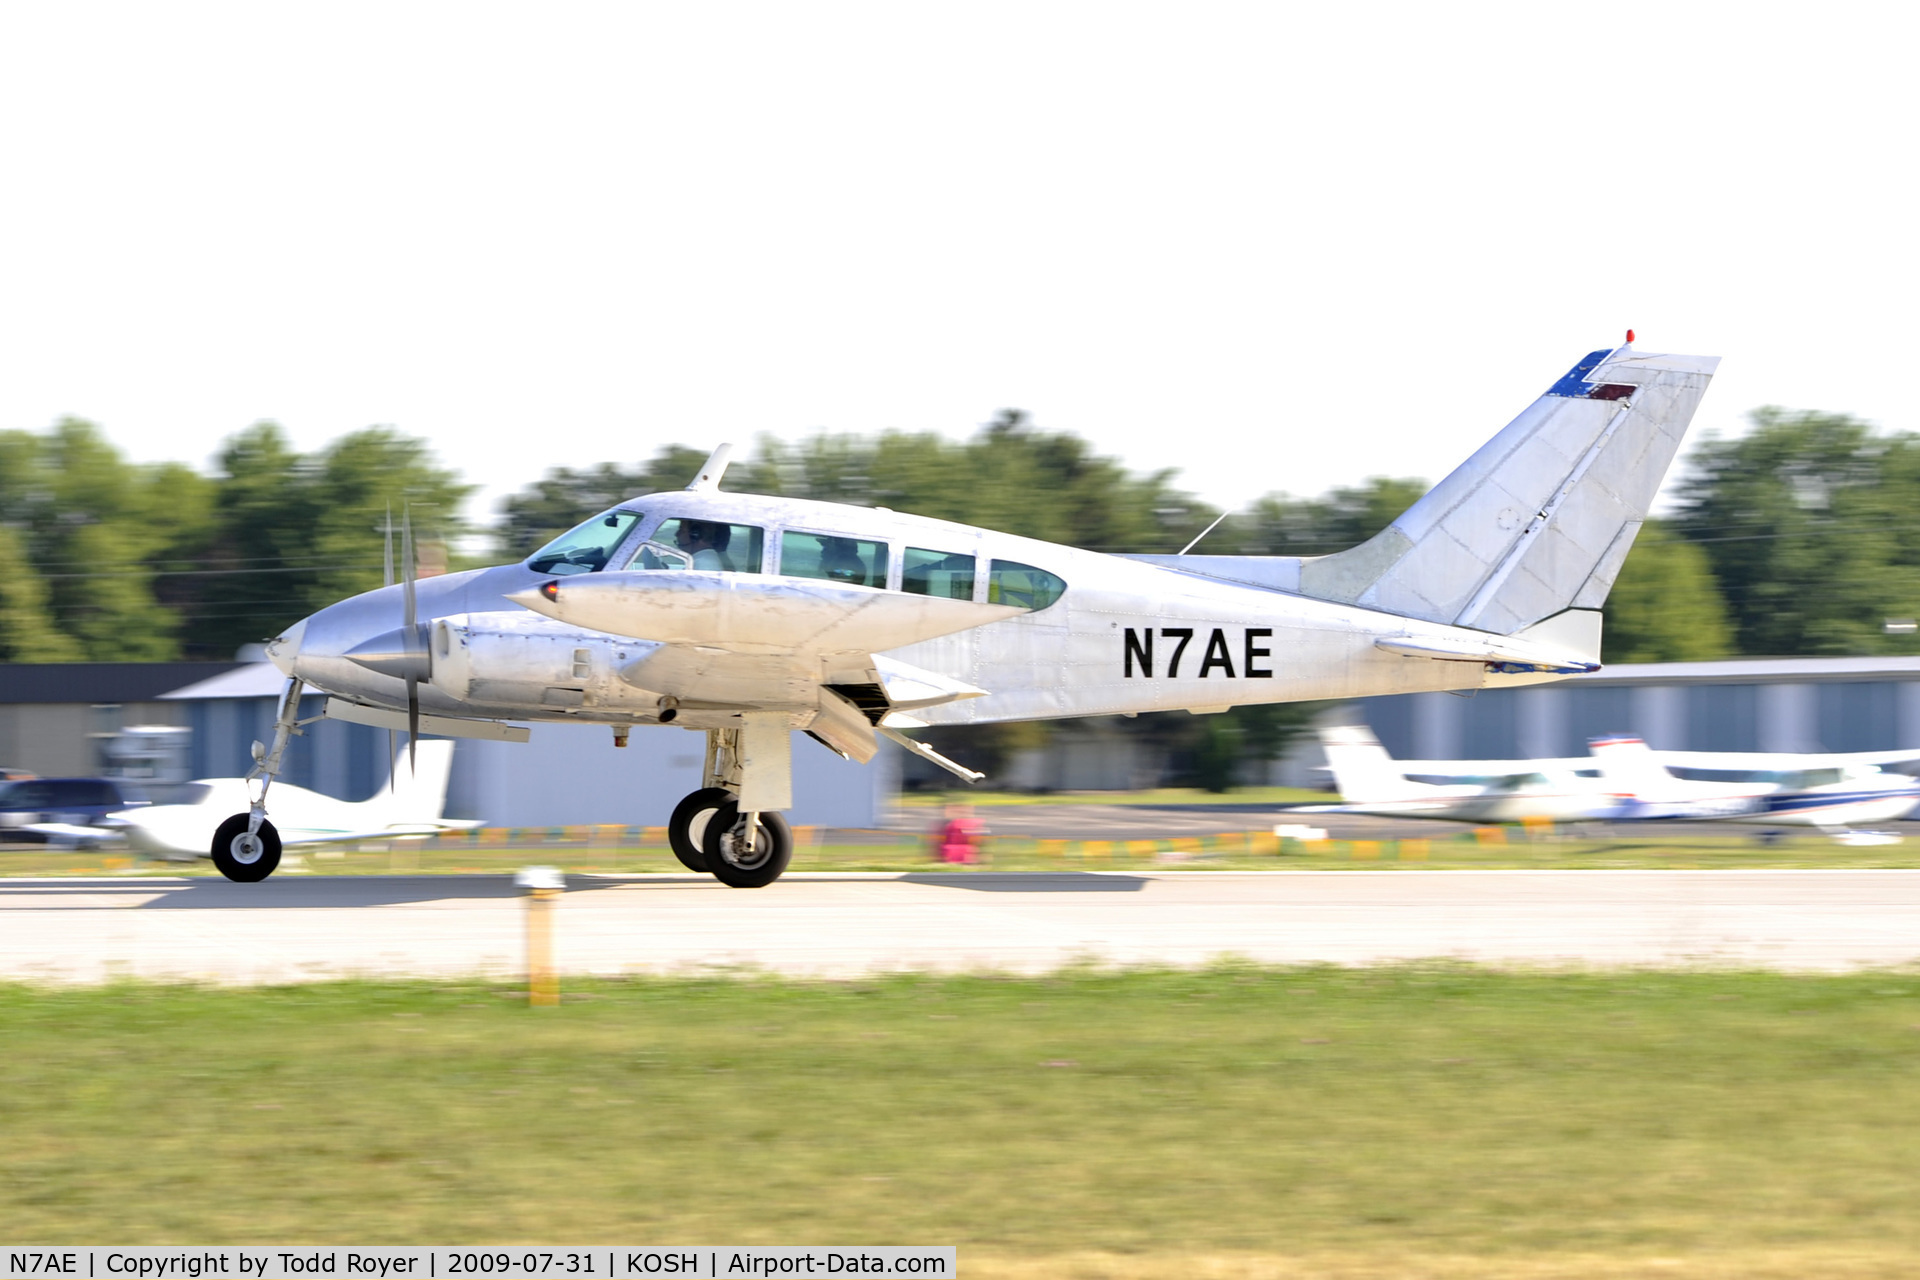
(1575, 384)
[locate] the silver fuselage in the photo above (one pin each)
(1114, 643)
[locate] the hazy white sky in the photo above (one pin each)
(1274, 246)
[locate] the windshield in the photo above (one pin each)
(584, 549)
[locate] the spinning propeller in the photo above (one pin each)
(402, 653)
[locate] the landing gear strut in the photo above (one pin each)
(246, 848)
(709, 831)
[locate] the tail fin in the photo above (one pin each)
(1363, 772)
(1539, 520)
(417, 794)
(1630, 765)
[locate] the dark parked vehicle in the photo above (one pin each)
(79, 802)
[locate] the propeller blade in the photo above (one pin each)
(406, 564)
(413, 726)
(410, 609)
(393, 742)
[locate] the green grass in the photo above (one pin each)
(1087, 1123)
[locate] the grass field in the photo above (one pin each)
(1227, 1122)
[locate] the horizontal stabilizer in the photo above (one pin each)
(750, 613)
(1500, 650)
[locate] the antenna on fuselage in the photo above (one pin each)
(1204, 532)
(708, 481)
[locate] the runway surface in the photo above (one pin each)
(825, 924)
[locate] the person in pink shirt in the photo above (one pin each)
(959, 837)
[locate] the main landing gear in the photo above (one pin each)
(711, 833)
(246, 847)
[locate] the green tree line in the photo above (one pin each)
(1795, 538)
(111, 561)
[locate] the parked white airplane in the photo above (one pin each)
(1622, 781)
(1833, 791)
(1482, 791)
(747, 617)
(408, 807)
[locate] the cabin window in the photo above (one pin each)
(824, 555)
(1022, 585)
(946, 574)
(584, 549)
(703, 544)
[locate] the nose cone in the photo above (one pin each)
(285, 647)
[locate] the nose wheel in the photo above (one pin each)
(245, 856)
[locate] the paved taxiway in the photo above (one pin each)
(293, 928)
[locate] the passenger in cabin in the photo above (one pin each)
(706, 541)
(841, 563)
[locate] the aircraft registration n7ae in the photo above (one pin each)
(747, 617)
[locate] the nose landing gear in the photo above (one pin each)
(246, 848)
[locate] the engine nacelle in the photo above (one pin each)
(516, 659)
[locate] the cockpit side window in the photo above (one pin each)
(1022, 585)
(585, 549)
(837, 559)
(703, 544)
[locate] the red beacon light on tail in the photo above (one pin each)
(1629, 337)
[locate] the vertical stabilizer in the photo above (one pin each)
(1539, 520)
(419, 793)
(1629, 766)
(1363, 772)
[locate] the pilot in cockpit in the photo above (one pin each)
(840, 562)
(706, 541)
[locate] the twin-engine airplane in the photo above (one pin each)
(747, 617)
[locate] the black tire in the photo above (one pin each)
(235, 860)
(773, 849)
(687, 828)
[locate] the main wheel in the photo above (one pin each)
(687, 828)
(242, 857)
(733, 863)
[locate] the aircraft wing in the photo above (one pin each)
(1781, 761)
(751, 614)
(69, 833)
(395, 831)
